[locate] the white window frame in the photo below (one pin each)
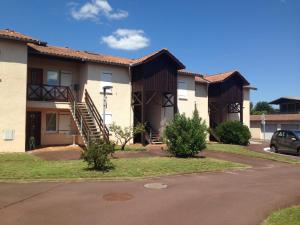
(182, 91)
(56, 122)
(104, 83)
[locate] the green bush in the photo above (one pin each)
(186, 137)
(233, 132)
(97, 155)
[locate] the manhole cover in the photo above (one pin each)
(155, 186)
(117, 197)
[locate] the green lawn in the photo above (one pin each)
(289, 216)
(24, 166)
(131, 148)
(241, 150)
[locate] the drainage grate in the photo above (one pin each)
(112, 197)
(155, 186)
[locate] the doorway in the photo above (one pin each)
(33, 130)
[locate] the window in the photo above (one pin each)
(106, 80)
(66, 79)
(52, 78)
(64, 123)
(182, 89)
(51, 122)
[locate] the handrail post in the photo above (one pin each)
(81, 123)
(74, 108)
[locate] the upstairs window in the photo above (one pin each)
(182, 89)
(106, 80)
(53, 78)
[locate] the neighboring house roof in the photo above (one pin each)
(13, 35)
(276, 117)
(221, 77)
(285, 99)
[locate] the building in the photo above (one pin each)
(53, 95)
(288, 118)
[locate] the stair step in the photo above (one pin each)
(156, 142)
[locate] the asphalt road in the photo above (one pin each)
(222, 198)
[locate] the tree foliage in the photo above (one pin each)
(262, 108)
(185, 136)
(124, 135)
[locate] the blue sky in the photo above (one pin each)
(260, 38)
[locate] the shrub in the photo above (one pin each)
(124, 135)
(97, 155)
(233, 132)
(186, 137)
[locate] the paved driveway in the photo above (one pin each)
(223, 198)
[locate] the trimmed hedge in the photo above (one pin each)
(233, 132)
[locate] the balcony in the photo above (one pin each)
(48, 93)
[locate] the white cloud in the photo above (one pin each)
(126, 39)
(94, 9)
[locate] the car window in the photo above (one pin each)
(290, 135)
(297, 133)
(280, 134)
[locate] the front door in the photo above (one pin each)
(33, 130)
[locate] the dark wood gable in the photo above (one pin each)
(160, 74)
(154, 77)
(226, 97)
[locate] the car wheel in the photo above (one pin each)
(298, 151)
(274, 149)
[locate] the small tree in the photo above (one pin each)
(124, 135)
(186, 137)
(97, 155)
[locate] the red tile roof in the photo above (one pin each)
(276, 117)
(13, 35)
(79, 55)
(156, 53)
(220, 77)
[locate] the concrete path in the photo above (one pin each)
(222, 198)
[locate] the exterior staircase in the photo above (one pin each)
(152, 136)
(88, 120)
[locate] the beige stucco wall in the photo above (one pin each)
(201, 98)
(119, 101)
(255, 129)
(187, 105)
(13, 75)
(246, 109)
